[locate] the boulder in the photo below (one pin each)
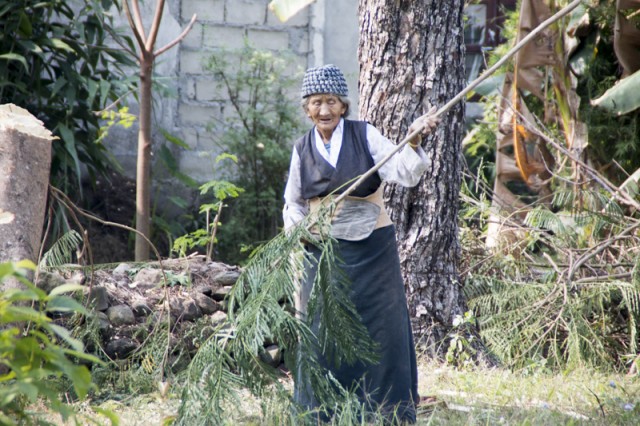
(121, 315)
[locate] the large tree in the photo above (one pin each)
(412, 56)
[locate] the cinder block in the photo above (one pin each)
(207, 90)
(300, 41)
(193, 39)
(206, 10)
(197, 114)
(190, 137)
(188, 88)
(246, 12)
(191, 62)
(199, 164)
(267, 39)
(220, 36)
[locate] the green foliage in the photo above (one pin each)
(55, 62)
(63, 250)
(221, 190)
(460, 352)
(568, 305)
(614, 141)
(259, 130)
(34, 350)
(259, 307)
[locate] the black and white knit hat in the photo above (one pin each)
(324, 79)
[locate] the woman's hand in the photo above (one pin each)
(428, 122)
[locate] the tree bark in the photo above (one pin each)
(412, 56)
(25, 164)
(143, 170)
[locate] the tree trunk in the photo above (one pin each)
(143, 174)
(412, 56)
(25, 163)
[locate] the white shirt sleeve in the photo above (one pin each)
(404, 168)
(295, 207)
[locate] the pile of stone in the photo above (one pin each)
(129, 302)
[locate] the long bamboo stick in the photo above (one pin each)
(557, 16)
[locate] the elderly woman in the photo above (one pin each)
(328, 157)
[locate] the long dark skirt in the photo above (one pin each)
(391, 385)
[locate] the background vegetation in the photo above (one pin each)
(558, 307)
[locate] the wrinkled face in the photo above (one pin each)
(325, 111)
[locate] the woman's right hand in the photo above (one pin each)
(427, 122)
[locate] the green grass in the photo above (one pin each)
(466, 397)
(502, 397)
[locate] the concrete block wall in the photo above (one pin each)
(226, 24)
(190, 101)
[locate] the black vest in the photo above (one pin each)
(318, 178)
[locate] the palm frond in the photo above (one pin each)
(63, 250)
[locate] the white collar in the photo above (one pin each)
(336, 143)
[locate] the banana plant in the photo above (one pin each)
(544, 78)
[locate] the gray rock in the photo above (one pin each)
(226, 278)
(99, 298)
(220, 293)
(140, 308)
(47, 281)
(271, 355)
(218, 318)
(121, 315)
(122, 269)
(77, 277)
(121, 348)
(190, 310)
(206, 304)
(148, 278)
(103, 321)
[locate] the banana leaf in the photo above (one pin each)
(622, 98)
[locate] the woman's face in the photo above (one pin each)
(325, 111)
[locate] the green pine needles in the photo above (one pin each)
(261, 308)
(573, 301)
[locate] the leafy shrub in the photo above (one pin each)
(34, 350)
(55, 62)
(260, 132)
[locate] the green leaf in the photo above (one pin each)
(168, 159)
(226, 156)
(82, 355)
(66, 288)
(70, 145)
(105, 88)
(113, 417)
(23, 313)
(285, 9)
(59, 44)
(57, 85)
(26, 264)
(174, 139)
(16, 57)
(623, 97)
(5, 269)
(631, 184)
(490, 86)
(66, 336)
(64, 304)
(29, 390)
